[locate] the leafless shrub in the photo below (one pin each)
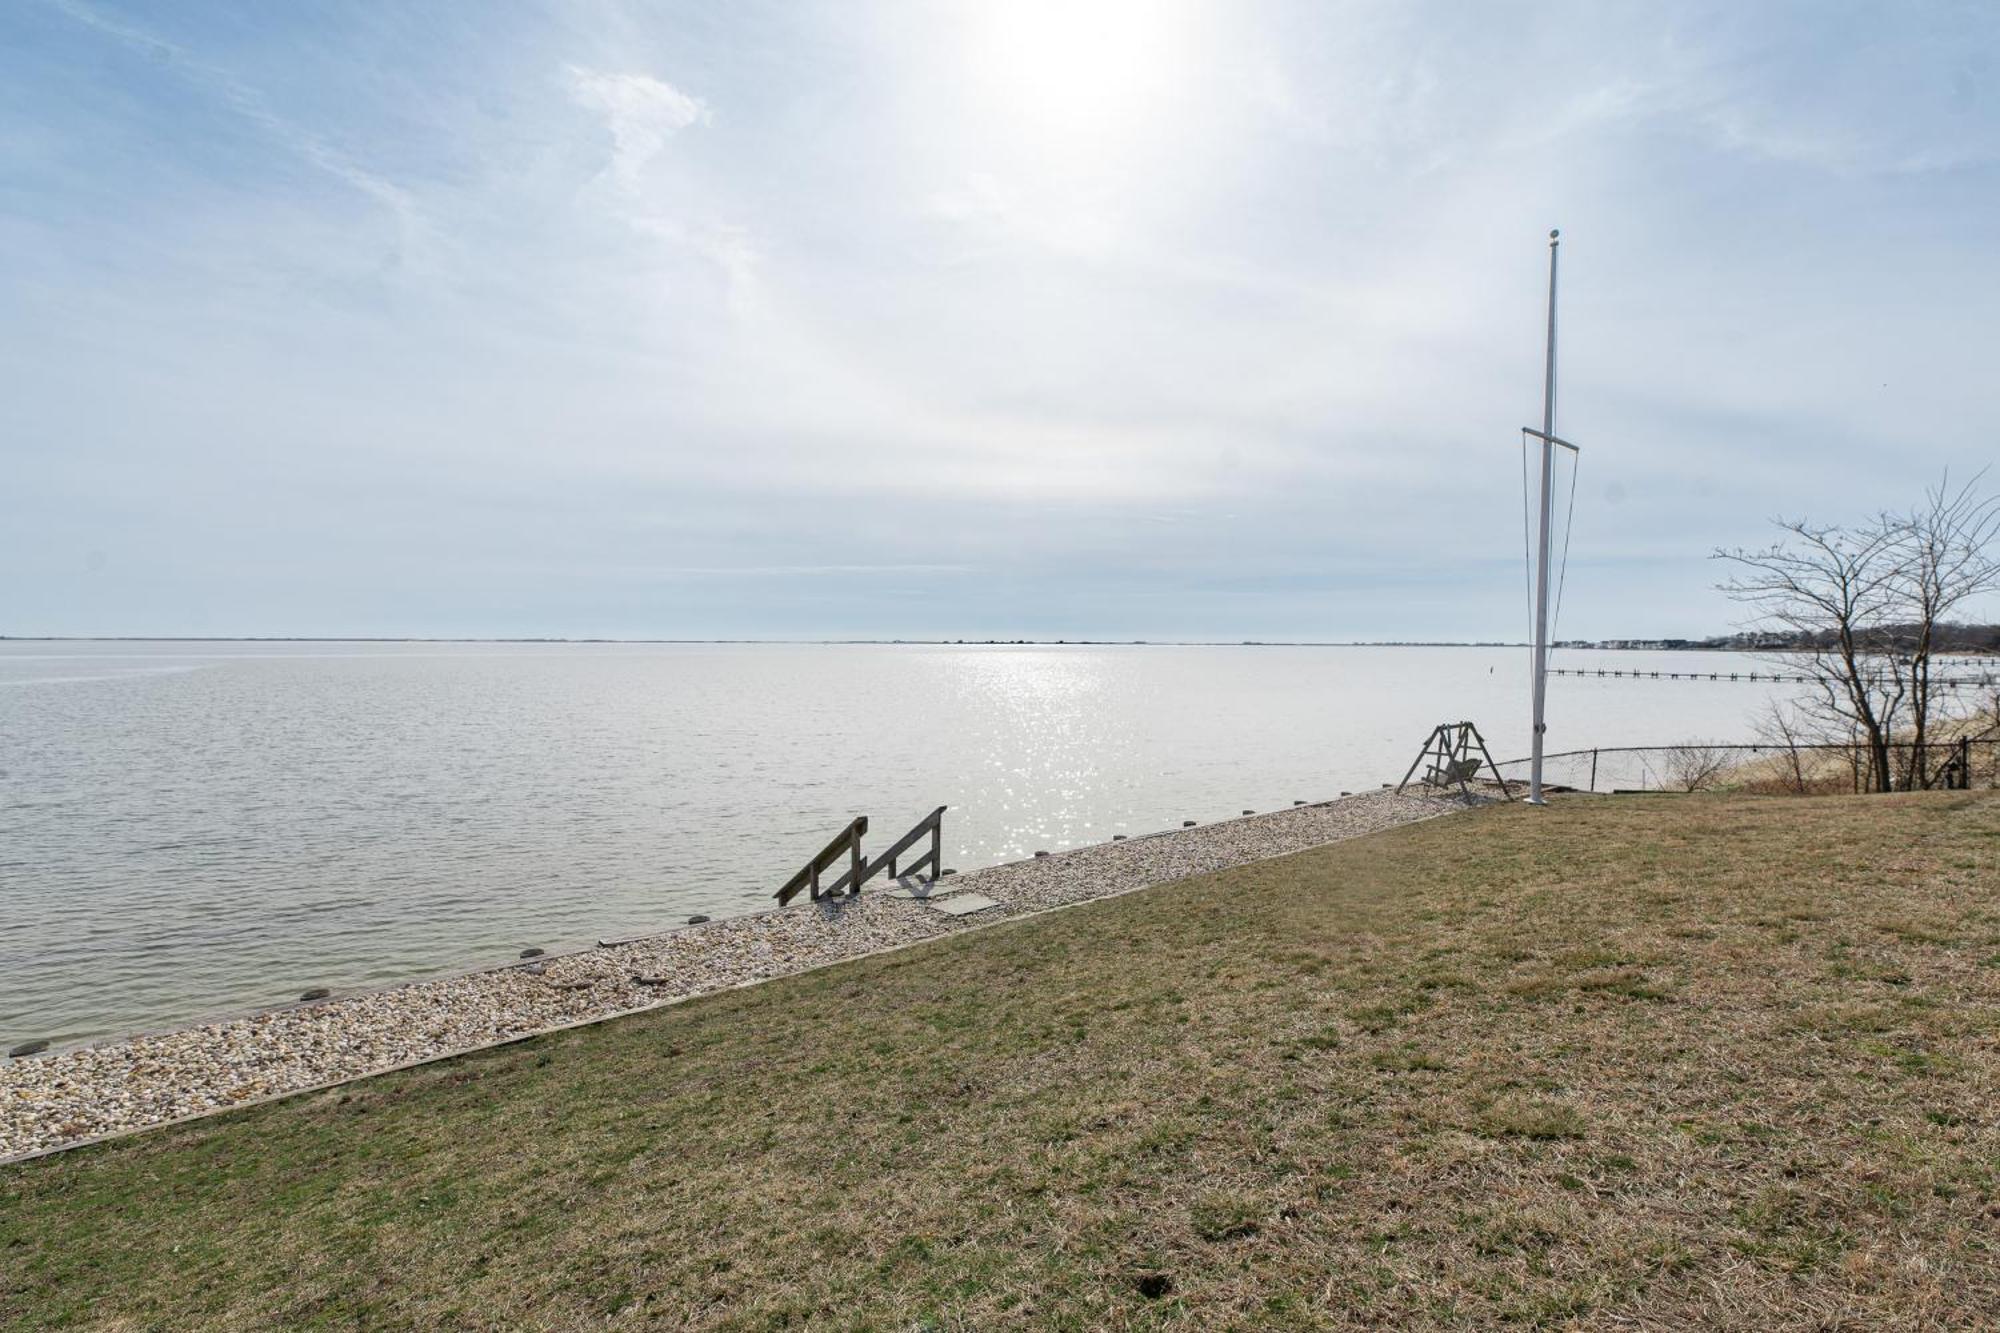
(1785, 730)
(1694, 766)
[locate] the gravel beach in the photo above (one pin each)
(66, 1097)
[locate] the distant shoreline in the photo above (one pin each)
(883, 643)
(1566, 646)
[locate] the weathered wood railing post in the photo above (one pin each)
(933, 824)
(847, 840)
(859, 868)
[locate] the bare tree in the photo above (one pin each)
(1831, 591)
(1861, 611)
(1943, 559)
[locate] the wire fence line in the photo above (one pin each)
(1986, 681)
(1961, 762)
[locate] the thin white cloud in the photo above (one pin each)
(641, 112)
(889, 309)
(1844, 150)
(249, 103)
(788, 571)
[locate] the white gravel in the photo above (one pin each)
(66, 1097)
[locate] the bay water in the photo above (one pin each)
(193, 828)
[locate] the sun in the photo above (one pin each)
(1079, 76)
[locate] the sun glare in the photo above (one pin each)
(1079, 75)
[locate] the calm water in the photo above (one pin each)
(189, 828)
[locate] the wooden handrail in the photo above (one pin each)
(933, 824)
(848, 840)
(860, 870)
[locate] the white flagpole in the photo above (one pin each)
(1541, 683)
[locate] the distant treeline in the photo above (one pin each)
(1947, 637)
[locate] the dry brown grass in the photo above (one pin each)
(1644, 1062)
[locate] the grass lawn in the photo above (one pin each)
(1653, 1060)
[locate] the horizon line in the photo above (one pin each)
(858, 641)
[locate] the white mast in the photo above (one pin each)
(1548, 438)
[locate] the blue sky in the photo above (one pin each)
(1058, 319)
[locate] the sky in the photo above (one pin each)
(1055, 318)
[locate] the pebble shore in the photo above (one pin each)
(49, 1101)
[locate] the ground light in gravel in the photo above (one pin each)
(1651, 1062)
(71, 1096)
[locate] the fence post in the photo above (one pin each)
(1593, 770)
